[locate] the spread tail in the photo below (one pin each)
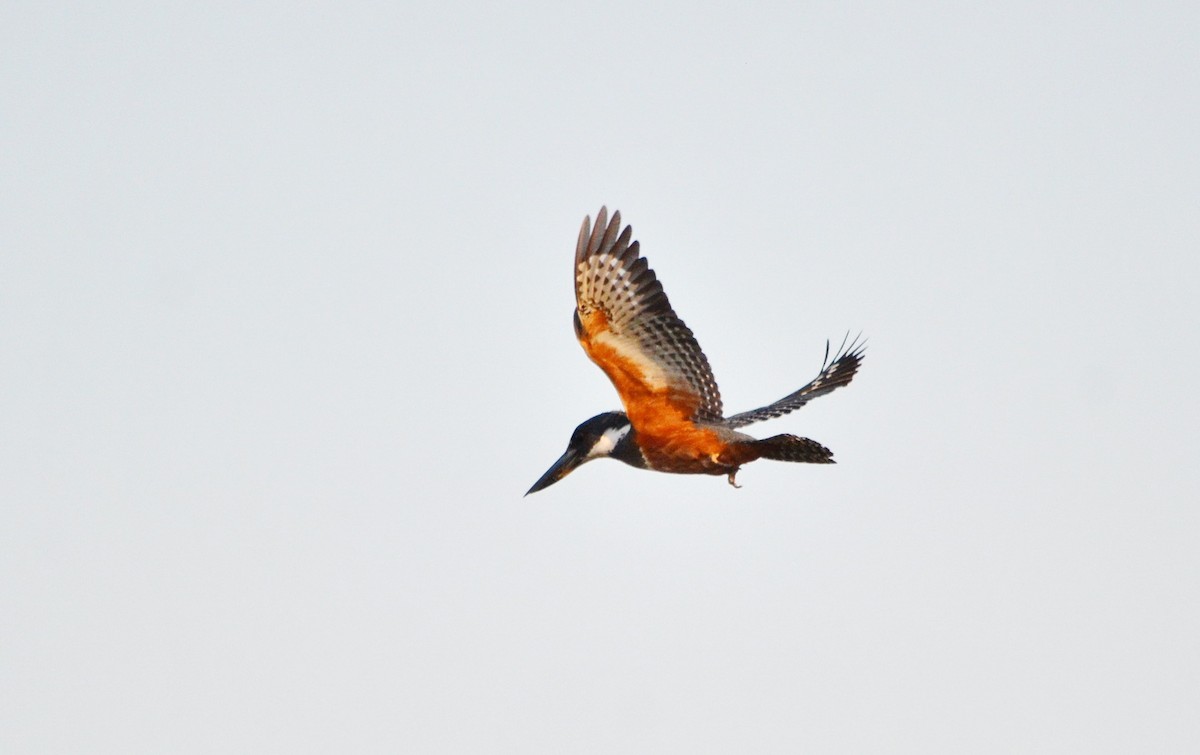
(792, 448)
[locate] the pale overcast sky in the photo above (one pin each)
(285, 301)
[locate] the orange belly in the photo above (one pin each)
(661, 415)
(685, 449)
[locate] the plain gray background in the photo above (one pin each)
(285, 299)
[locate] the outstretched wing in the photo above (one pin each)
(627, 327)
(833, 375)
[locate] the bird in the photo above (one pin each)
(673, 419)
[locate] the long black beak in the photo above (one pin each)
(561, 468)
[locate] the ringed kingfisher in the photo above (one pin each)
(673, 419)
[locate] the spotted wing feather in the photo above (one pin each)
(627, 326)
(833, 375)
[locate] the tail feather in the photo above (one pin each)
(793, 448)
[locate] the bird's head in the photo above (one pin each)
(608, 434)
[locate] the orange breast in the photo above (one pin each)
(661, 414)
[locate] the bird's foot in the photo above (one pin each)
(733, 480)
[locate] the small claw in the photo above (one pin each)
(733, 480)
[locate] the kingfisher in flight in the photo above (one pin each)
(673, 419)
